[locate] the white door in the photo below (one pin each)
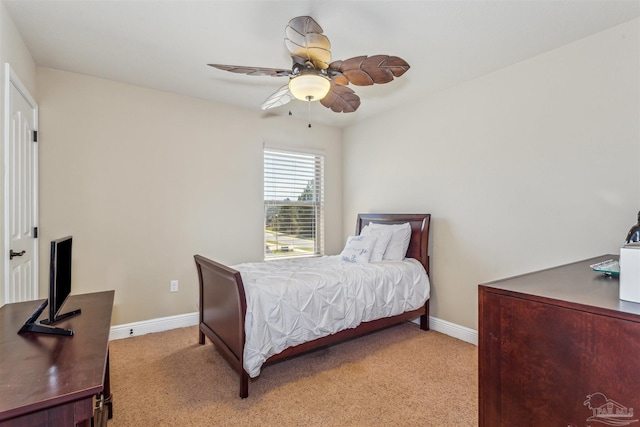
(21, 191)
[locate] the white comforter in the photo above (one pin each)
(290, 302)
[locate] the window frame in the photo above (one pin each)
(293, 172)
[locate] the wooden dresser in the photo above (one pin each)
(51, 380)
(558, 348)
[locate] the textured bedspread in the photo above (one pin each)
(290, 302)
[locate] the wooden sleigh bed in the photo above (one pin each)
(223, 305)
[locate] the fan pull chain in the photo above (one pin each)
(309, 98)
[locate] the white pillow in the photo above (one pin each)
(358, 249)
(399, 243)
(383, 236)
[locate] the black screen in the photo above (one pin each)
(60, 275)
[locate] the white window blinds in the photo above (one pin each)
(293, 204)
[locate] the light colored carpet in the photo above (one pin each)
(401, 376)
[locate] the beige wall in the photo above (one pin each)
(144, 179)
(14, 52)
(529, 167)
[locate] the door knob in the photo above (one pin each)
(12, 254)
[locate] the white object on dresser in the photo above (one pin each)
(630, 272)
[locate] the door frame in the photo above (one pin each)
(11, 78)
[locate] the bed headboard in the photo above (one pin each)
(419, 244)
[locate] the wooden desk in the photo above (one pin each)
(48, 380)
(558, 348)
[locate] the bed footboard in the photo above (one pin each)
(222, 312)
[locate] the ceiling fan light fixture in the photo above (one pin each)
(309, 86)
(313, 77)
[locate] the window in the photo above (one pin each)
(293, 204)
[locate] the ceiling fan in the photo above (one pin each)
(313, 77)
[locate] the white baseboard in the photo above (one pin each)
(190, 319)
(153, 325)
(453, 330)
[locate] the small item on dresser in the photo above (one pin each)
(634, 233)
(630, 272)
(608, 267)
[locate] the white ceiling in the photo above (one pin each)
(166, 44)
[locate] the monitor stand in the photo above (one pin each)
(60, 317)
(31, 325)
(44, 329)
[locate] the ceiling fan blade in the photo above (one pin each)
(281, 97)
(341, 99)
(253, 71)
(365, 71)
(306, 43)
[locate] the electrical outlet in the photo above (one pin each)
(174, 286)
